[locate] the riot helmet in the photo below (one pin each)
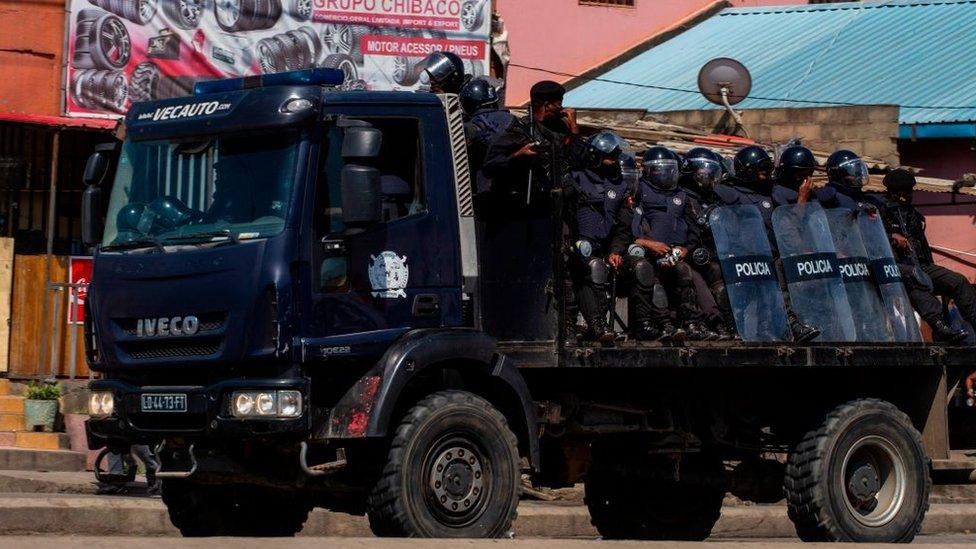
(445, 70)
(478, 93)
(900, 184)
(132, 221)
(796, 164)
(171, 212)
(629, 171)
(660, 168)
(753, 167)
(847, 169)
(703, 167)
(603, 150)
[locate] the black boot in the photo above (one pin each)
(944, 333)
(647, 331)
(670, 333)
(697, 331)
(599, 331)
(723, 332)
(803, 333)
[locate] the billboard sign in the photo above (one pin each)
(123, 51)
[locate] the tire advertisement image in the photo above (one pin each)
(125, 51)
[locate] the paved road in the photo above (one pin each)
(44, 542)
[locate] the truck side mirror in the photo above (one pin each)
(361, 142)
(96, 169)
(91, 216)
(361, 199)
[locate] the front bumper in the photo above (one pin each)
(207, 415)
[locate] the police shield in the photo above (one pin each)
(901, 315)
(750, 279)
(870, 317)
(811, 270)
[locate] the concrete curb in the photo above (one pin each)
(119, 516)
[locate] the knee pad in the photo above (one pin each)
(644, 274)
(597, 271)
(659, 297)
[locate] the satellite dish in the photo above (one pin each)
(724, 81)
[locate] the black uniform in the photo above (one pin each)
(557, 147)
(714, 300)
(902, 218)
(836, 195)
(597, 198)
(660, 215)
(482, 128)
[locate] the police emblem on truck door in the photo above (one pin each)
(388, 275)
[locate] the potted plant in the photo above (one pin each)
(41, 405)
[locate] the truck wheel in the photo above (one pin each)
(862, 476)
(197, 511)
(452, 472)
(625, 505)
(344, 63)
(472, 14)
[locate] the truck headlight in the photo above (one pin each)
(266, 404)
(101, 404)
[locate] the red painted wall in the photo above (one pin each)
(952, 228)
(945, 158)
(31, 44)
(567, 36)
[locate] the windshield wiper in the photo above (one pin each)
(231, 236)
(141, 242)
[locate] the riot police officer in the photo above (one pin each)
(484, 121)
(597, 192)
(445, 71)
(535, 153)
(701, 171)
(792, 175)
(752, 183)
(656, 254)
(847, 174)
(921, 276)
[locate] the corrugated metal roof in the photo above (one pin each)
(903, 52)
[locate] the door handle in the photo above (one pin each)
(426, 305)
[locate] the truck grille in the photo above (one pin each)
(143, 350)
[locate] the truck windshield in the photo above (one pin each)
(230, 188)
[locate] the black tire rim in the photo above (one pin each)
(338, 38)
(189, 11)
(113, 39)
(228, 12)
(458, 480)
(875, 481)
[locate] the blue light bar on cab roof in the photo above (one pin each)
(307, 77)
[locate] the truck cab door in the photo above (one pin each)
(368, 285)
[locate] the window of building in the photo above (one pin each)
(611, 3)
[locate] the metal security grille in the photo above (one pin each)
(188, 177)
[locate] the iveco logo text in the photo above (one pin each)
(167, 326)
(176, 112)
(758, 268)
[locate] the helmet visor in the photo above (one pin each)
(439, 68)
(662, 173)
(853, 173)
(705, 172)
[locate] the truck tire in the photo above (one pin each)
(344, 63)
(139, 12)
(862, 476)
(209, 510)
(184, 14)
(100, 90)
(101, 41)
(246, 15)
(472, 14)
(452, 471)
(624, 504)
(300, 10)
(147, 84)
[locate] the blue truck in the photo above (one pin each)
(293, 301)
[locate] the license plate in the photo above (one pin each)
(164, 403)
